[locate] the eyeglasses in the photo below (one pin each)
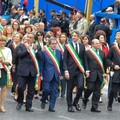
(39, 34)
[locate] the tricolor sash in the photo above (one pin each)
(97, 58)
(116, 47)
(61, 48)
(53, 57)
(33, 56)
(75, 57)
(100, 63)
(7, 70)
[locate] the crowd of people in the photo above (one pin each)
(52, 58)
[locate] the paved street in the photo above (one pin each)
(61, 111)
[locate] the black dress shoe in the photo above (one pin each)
(51, 110)
(95, 110)
(62, 96)
(18, 107)
(119, 99)
(43, 105)
(29, 110)
(77, 106)
(109, 107)
(71, 109)
(84, 104)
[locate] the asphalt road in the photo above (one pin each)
(61, 111)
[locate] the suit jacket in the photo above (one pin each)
(48, 69)
(11, 47)
(69, 63)
(91, 30)
(43, 19)
(106, 29)
(113, 59)
(26, 65)
(94, 67)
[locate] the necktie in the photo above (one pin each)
(76, 48)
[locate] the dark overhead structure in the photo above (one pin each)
(61, 5)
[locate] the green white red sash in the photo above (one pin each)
(100, 63)
(116, 47)
(33, 56)
(97, 58)
(75, 57)
(52, 56)
(7, 70)
(61, 48)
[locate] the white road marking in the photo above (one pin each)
(67, 118)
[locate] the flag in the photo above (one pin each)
(25, 2)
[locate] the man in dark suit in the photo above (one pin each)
(92, 27)
(73, 74)
(94, 75)
(105, 28)
(113, 60)
(50, 73)
(27, 71)
(42, 18)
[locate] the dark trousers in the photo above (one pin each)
(75, 80)
(50, 88)
(93, 87)
(115, 88)
(22, 82)
(15, 82)
(63, 86)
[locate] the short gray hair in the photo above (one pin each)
(51, 39)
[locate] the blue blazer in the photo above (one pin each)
(48, 69)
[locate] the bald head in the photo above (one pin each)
(96, 43)
(95, 40)
(42, 26)
(26, 23)
(92, 17)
